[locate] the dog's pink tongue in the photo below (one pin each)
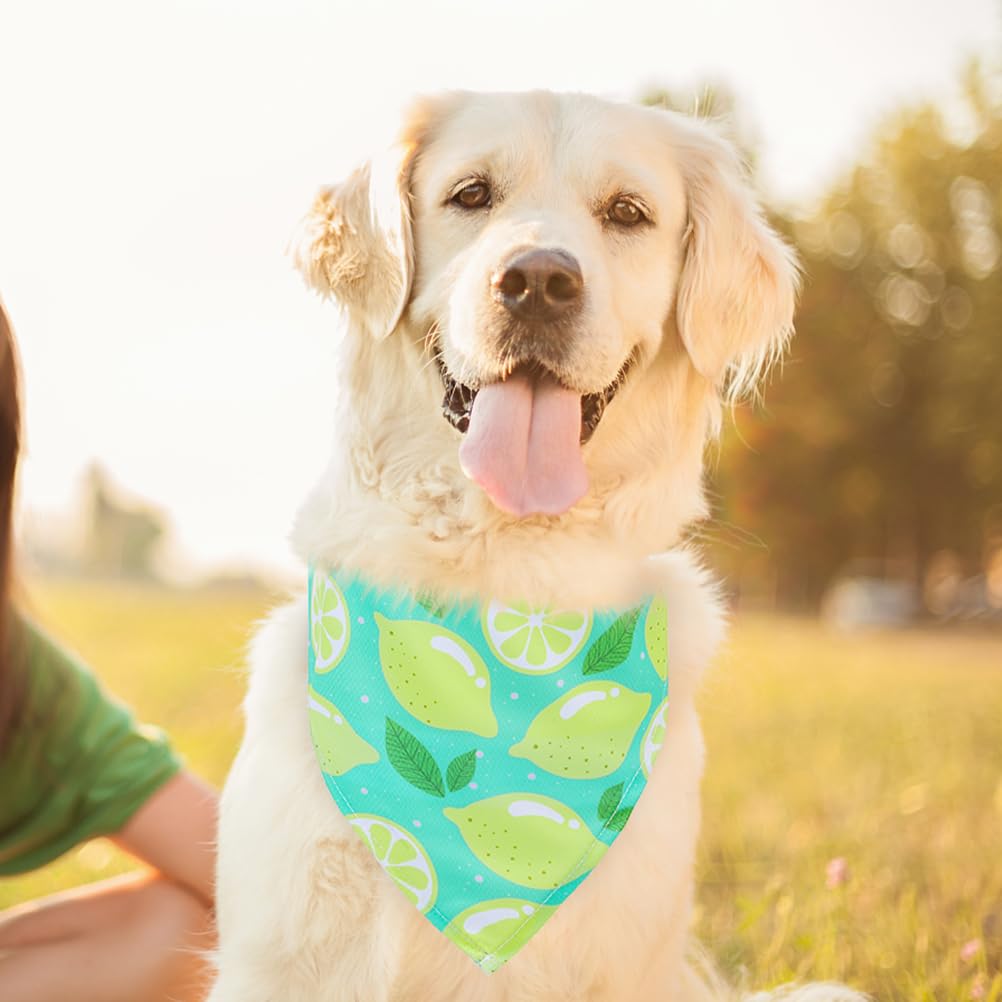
(523, 446)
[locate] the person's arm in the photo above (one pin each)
(175, 833)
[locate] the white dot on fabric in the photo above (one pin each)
(479, 879)
(365, 789)
(338, 720)
(361, 620)
(643, 656)
(614, 693)
(480, 754)
(417, 824)
(560, 683)
(473, 786)
(480, 683)
(528, 910)
(365, 699)
(573, 825)
(532, 775)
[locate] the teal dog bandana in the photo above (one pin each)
(488, 756)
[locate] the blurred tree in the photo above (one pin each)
(121, 539)
(883, 439)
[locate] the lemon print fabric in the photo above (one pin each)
(532, 640)
(530, 840)
(496, 930)
(586, 733)
(654, 738)
(401, 856)
(436, 676)
(339, 749)
(656, 635)
(486, 755)
(330, 627)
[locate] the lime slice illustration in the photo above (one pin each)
(528, 839)
(654, 738)
(656, 635)
(339, 748)
(587, 732)
(534, 640)
(436, 675)
(329, 623)
(401, 855)
(498, 928)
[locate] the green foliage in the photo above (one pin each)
(412, 760)
(461, 770)
(609, 801)
(883, 438)
(612, 647)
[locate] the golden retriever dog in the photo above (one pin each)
(582, 282)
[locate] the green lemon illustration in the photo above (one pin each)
(528, 839)
(330, 625)
(401, 855)
(338, 747)
(654, 738)
(534, 641)
(500, 928)
(656, 635)
(586, 733)
(436, 676)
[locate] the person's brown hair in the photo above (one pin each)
(10, 445)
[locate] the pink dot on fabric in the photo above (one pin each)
(473, 786)
(532, 775)
(514, 695)
(479, 879)
(365, 789)
(365, 699)
(560, 683)
(417, 824)
(480, 754)
(361, 620)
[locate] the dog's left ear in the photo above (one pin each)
(355, 244)
(737, 291)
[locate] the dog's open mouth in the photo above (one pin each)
(523, 436)
(457, 404)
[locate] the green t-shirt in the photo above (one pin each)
(77, 764)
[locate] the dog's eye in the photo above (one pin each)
(625, 212)
(474, 195)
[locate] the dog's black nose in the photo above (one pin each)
(539, 284)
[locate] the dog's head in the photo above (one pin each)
(570, 264)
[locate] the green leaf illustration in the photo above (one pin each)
(412, 760)
(618, 821)
(613, 646)
(461, 770)
(610, 801)
(432, 605)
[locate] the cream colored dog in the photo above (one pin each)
(581, 280)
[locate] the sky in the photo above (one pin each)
(154, 159)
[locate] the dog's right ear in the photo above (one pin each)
(355, 244)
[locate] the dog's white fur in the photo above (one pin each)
(704, 297)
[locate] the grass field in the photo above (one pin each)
(883, 751)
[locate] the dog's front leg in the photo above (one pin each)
(304, 913)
